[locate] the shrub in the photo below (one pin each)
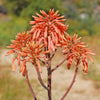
(10, 28)
(44, 5)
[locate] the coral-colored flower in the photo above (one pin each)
(17, 47)
(47, 33)
(26, 50)
(18, 44)
(12, 65)
(76, 51)
(48, 28)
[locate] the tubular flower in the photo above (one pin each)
(18, 44)
(34, 51)
(26, 50)
(17, 47)
(76, 51)
(48, 28)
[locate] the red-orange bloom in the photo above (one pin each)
(27, 50)
(18, 44)
(48, 28)
(17, 47)
(47, 33)
(76, 51)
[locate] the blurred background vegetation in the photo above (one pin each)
(83, 16)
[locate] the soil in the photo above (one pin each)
(81, 90)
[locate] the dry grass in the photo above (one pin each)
(13, 86)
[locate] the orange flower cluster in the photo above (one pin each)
(47, 33)
(76, 51)
(48, 28)
(26, 50)
(19, 43)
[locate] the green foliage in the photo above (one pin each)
(72, 11)
(86, 27)
(9, 29)
(16, 6)
(27, 8)
(44, 5)
(74, 26)
(20, 7)
(83, 4)
(84, 32)
(96, 28)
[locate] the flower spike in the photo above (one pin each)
(48, 25)
(76, 51)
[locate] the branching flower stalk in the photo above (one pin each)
(27, 80)
(39, 77)
(74, 77)
(39, 45)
